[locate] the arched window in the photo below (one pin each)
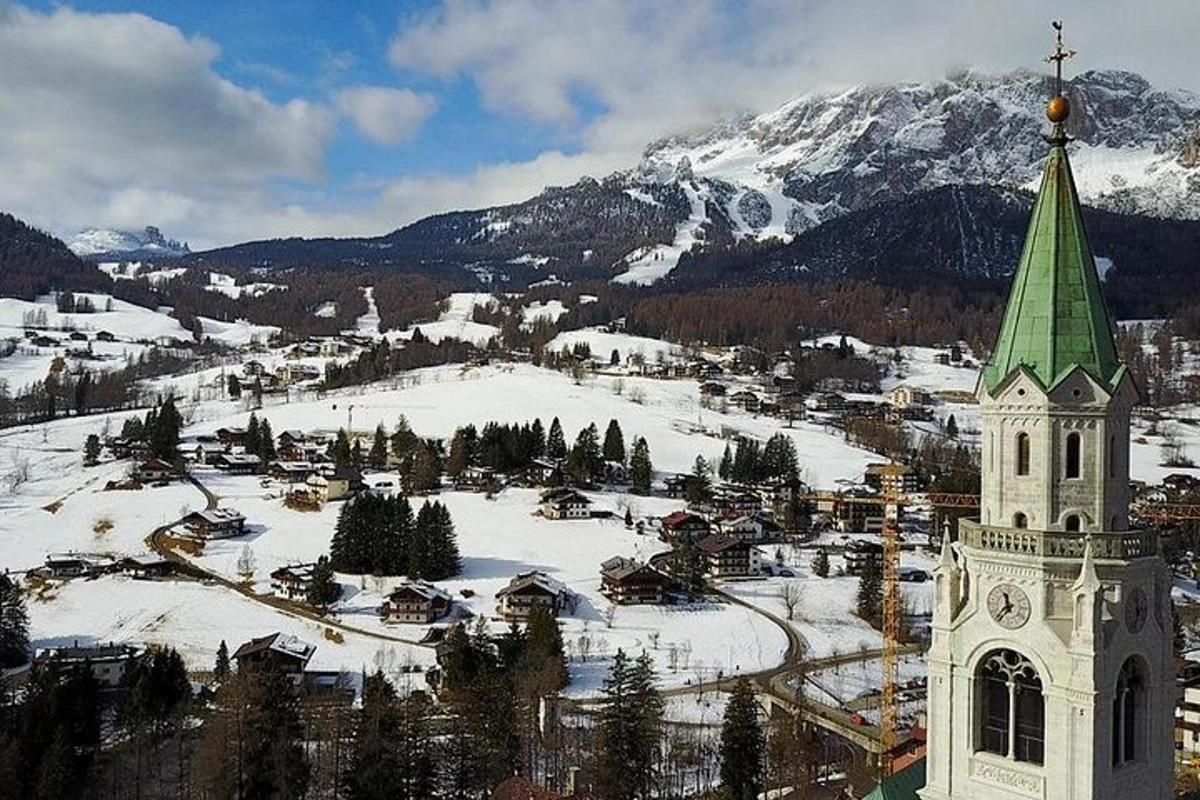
(1128, 702)
(1022, 453)
(1071, 523)
(1073, 455)
(1020, 520)
(1013, 718)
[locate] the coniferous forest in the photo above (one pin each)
(379, 534)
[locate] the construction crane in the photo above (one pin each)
(893, 610)
(889, 707)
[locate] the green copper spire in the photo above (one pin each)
(1056, 318)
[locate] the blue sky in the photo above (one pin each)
(309, 48)
(227, 120)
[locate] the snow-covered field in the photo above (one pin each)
(824, 616)
(63, 506)
(456, 321)
(499, 538)
(126, 321)
(130, 325)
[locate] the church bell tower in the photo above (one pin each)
(1050, 669)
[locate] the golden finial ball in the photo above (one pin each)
(1058, 109)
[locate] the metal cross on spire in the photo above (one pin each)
(1059, 55)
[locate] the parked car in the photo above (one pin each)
(912, 575)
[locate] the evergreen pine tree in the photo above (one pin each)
(444, 560)
(252, 744)
(951, 427)
(614, 443)
(725, 465)
(586, 460)
(324, 590)
(54, 774)
(393, 757)
(544, 651)
(699, 485)
(222, 667)
(460, 453)
(870, 591)
(538, 439)
(421, 543)
(235, 387)
(14, 624)
(339, 450)
(403, 440)
(426, 469)
(647, 733)
(641, 471)
(372, 773)
(266, 442)
(614, 728)
(628, 517)
(379, 449)
(556, 443)
(91, 450)
(253, 438)
(392, 553)
(742, 745)
(820, 564)
(164, 433)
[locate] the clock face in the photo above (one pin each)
(1137, 609)
(1008, 605)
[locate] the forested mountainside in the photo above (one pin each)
(580, 229)
(962, 236)
(33, 263)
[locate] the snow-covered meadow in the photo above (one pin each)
(63, 506)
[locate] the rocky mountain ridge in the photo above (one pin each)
(772, 177)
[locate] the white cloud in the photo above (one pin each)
(118, 119)
(386, 115)
(655, 68)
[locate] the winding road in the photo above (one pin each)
(157, 542)
(775, 684)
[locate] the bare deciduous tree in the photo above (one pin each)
(790, 594)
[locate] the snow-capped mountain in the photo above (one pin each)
(1137, 149)
(817, 158)
(95, 243)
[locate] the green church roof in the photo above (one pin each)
(1056, 318)
(904, 785)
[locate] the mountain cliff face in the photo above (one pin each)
(776, 176)
(1137, 149)
(103, 244)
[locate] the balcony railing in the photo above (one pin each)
(1059, 544)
